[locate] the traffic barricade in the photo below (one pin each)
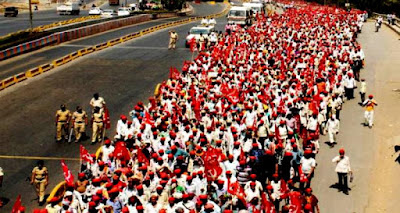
(20, 77)
(67, 59)
(8, 82)
(82, 52)
(74, 55)
(89, 50)
(58, 62)
(100, 46)
(33, 72)
(45, 67)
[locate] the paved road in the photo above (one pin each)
(42, 17)
(46, 55)
(375, 187)
(123, 74)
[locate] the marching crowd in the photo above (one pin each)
(237, 130)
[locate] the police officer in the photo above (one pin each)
(63, 116)
(40, 179)
(97, 101)
(173, 37)
(79, 122)
(97, 125)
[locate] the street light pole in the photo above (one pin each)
(30, 15)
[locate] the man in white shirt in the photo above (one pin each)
(308, 165)
(332, 126)
(342, 169)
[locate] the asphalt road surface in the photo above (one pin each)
(123, 75)
(375, 187)
(42, 17)
(27, 61)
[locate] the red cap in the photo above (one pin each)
(308, 190)
(269, 187)
(177, 171)
(173, 147)
(139, 187)
(268, 152)
(81, 175)
(288, 154)
(203, 197)
(123, 117)
(139, 207)
(370, 96)
(221, 181)
(92, 204)
(341, 151)
(107, 141)
(125, 210)
(101, 163)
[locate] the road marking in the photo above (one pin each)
(35, 158)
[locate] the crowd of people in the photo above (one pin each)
(237, 130)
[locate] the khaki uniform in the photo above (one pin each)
(79, 123)
(40, 181)
(62, 123)
(98, 103)
(172, 40)
(97, 126)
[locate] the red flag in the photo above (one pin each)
(142, 157)
(233, 96)
(69, 178)
(153, 104)
(211, 163)
(85, 156)
(17, 205)
(173, 73)
(148, 119)
(121, 152)
(106, 118)
(197, 109)
(224, 88)
(295, 200)
(236, 189)
(193, 44)
(268, 206)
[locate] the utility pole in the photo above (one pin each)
(30, 15)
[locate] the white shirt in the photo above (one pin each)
(342, 164)
(307, 164)
(1, 171)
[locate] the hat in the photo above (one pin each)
(54, 200)
(81, 175)
(288, 154)
(253, 176)
(203, 197)
(269, 187)
(308, 190)
(125, 210)
(139, 207)
(123, 117)
(139, 187)
(209, 206)
(92, 204)
(101, 163)
(341, 151)
(275, 175)
(161, 150)
(220, 181)
(107, 141)
(173, 147)
(370, 96)
(177, 171)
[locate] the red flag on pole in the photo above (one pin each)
(148, 119)
(17, 205)
(211, 163)
(106, 119)
(193, 44)
(237, 190)
(233, 96)
(173, 73)
(85, 156)
(121, 152)
(142, 157)
(69, 178)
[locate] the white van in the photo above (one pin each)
(239, 15)
(255, 7)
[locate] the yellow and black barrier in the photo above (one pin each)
(70, 57)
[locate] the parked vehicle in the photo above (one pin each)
(68, 8)
(95, 11)
(108, 13)
(196, 31)
(11, 11)
(239, 15)
(124, 11)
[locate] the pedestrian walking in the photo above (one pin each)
(363, 90)
(97, 125)
(343, 169)
(40, 179)
(369, 105)
(63, 116)
(173, 38)
(79, 122)
(377, 25)
(349, 85)
(332, 126)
